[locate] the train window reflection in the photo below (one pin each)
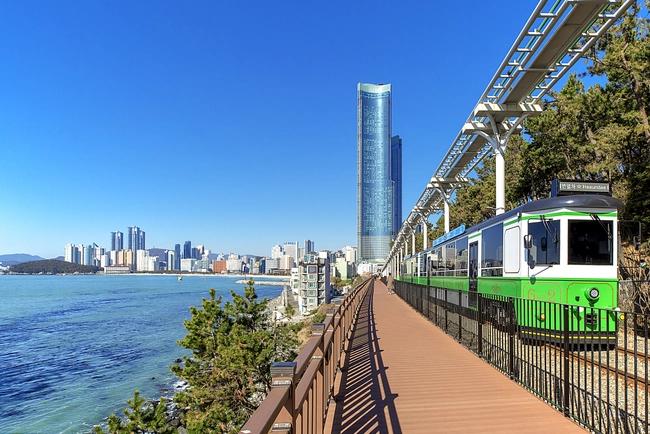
(492, 251)
(590, 242)
(546, 242)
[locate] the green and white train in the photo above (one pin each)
(550, 252)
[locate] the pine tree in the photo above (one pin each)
(228, 372)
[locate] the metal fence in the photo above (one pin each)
(589, 363)
(301, 389)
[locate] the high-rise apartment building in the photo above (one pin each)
(350, 254)
(71, 253)
(374, 183)
(396, 179)
(291, 248)
(136, 239)
(276, 252)
(171, 259)
(117, 240)
(177, 257)
(314, 275)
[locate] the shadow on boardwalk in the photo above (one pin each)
(365, 403)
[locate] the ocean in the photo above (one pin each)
(73, 348)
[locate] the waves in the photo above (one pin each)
(72, 349)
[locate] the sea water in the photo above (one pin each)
(73, 348)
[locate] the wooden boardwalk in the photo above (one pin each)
(404, 375)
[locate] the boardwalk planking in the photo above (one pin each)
(404, 375)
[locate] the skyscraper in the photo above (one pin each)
(117, 240)
(187, 250)
(396, 178)
(136, 238)
(374, 184)
(177, 257)
(309, 247)
(291, 248)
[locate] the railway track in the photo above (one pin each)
(630, 352)
(629, 377)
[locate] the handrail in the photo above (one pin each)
(301, 390)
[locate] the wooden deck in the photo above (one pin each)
(404, 375)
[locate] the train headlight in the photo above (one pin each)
(593, 294)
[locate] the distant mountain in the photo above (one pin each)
(18, 258)
(51, 266)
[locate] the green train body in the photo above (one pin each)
(538, 257)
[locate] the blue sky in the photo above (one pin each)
(231, 124)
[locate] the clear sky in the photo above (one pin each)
(231, 124)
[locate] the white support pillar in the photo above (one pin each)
(425, 235)
(446, 200)
(413, 243)
(500, 174)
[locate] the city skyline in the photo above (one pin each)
(181, 103)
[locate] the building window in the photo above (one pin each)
(492, 251)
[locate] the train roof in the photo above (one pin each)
(592, 201)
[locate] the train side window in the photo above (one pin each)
(492, 251)
(546, 242)
(511, 249)
(590, 242)
(441, 262)
(461, 257)
(450, 258)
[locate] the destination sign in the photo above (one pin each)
(449, 235)
(564, 188)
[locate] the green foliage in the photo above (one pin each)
(290, 311)
(318, 317)
(51, 266)
(139, 416)
(228, 372)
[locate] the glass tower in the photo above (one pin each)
(396, 178)
(374, 181)
(117, 242)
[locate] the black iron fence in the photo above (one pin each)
(589, 363)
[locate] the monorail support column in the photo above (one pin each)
(446, 200)
(500, 181)
(425, 239)
(413, 242)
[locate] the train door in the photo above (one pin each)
(473, 274)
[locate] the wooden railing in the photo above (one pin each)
(300, 390)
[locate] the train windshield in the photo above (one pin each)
(545, 242)
(590, 242)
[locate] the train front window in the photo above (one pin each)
(590, 242)
(546, 242)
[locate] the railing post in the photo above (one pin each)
(446, 311)
(479, 316)
(283, 375)
(460, 319)
(566, 393)
(318, 329)
(510, 326)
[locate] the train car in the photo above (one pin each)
(532, 260)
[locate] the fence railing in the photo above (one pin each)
(301, 389)
(591, 364)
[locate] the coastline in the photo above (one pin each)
(255, 277)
